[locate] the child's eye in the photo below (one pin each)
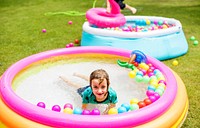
(103, 87)
(95, 87)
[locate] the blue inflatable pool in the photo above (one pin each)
(161, 43)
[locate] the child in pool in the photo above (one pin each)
(98, 92)
(122, 6)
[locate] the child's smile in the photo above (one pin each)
(99, 89)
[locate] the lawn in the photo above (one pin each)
(21, 23)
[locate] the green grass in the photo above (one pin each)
(21, 22)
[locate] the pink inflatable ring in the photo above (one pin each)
(100, 18)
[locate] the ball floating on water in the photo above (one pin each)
(125, 105)
(175, 62)
(121, 109)
(95, 112)
(134, 101)
(86, 112)
(134, 107)
(68, 111)
(132, 74)
(56, 108)
(41, 104)
(195, 42)
(112, 111)
(77, 111)
(141, 104)
(44, 30)
(68, 105)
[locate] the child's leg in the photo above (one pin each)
(134, 10)
(81, 76)
(69, 82)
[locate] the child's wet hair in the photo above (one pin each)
(100, 74)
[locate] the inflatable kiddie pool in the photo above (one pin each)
(159, 37)
(169, 110)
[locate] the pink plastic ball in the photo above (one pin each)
(44, 30)
(86, 112)
(156, 95)
(67, 46)
(152, 98)
(95, 112)
(68, 105)
(71, 45)
(150, 93)
(41, 104)
(56, 108)
(70, 22)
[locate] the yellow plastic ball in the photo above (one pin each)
(132, 74)
(112, 111)
(148, 22)
(175, 62)
(134, 101)
(68, 111)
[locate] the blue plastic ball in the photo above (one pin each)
(127, 106)
(77, 111)
(121, 110)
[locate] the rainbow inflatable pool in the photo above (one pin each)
(168, 111)
(159, 37)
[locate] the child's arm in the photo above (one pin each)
(69, 82)
(81, 76)
(108, 108)
(108, 6)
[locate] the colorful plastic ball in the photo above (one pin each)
(68, 105)
(44, 30)
(41, 104)
(134, 107)
(56, 108)
(159, 91)
(160, 22)
(148, 22)
(132, 74)
(141, 104)
(121, 109)
(195, 42)
(86, 112)
(76, 41)
(150, 93)
(192, 38)
(67, 46)
(175, 62)
(134, 101)
(112, 111)
(151, 87)
(71, 44)
(156, 95)
(77, 111)
(70, 22)
(146, 79)
(152, 98)
(147, 101)
(68, 111)
(95, 112)
(126, 105)
(138, 78)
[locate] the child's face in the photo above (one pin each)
(99, 90)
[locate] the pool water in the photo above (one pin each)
(41, 82)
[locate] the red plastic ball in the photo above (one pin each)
(141, 104)
(76, 41)
(147, 101)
